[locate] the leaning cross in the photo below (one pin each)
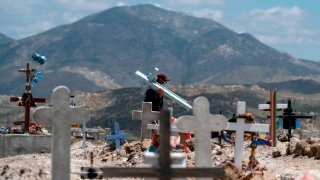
(202, 124)
(118, 135)
(146, 116)
(27, 100)
(61, 115)
(310, 132)
(240, 127)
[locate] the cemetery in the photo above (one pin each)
(56, 155)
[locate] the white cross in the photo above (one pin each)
(202, 124)
(240, 127)
(310, 132)
(146, 116)
(61, 115)
(267, 106)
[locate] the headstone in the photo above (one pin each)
(202, 123)
(240, 127)
(117, 136)
(310, 132)
(165, 171)
(146, 116)
(61, 115)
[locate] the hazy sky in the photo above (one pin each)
(291, 26)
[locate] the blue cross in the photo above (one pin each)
(117, 136)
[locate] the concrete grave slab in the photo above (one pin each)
(16, 144)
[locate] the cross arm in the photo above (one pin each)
(136, 115)
(14, 99)
(249, 127)
(43, 115)
(186, 123)
(218, 122)
(79, 114)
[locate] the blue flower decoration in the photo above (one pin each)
(35, 76)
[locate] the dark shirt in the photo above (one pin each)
(151, 95)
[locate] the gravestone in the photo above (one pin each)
(165, 171)
(60, 115)
(117, 136)
(310, 132)
(240, 127)
(146, 116)
(202, 123)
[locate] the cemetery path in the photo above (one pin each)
(38, 166)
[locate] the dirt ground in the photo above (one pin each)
(38, 166)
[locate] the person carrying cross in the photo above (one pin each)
(156, 97)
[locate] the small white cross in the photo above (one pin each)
(146, 116)
(240, 127)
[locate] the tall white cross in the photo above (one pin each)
(146, 116)
(61, 115)
(202, 123)
(240, 127)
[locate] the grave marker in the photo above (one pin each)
(164, 171)
(117, 136)
(273, 108)
(27, 100)
(290, 118)
(240, 127)
(61, 115)
(202, 123)
(146, 116)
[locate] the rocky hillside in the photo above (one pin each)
(102, 51)
(116, 105)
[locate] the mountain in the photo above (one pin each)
(103, 50)
(5, 39)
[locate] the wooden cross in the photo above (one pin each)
(202, 124)
(240, 127)
(164, 171)
(61, 115)
(290, 118)
(118, 135)
(146, 116)
(27, 100)
(273, 108)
